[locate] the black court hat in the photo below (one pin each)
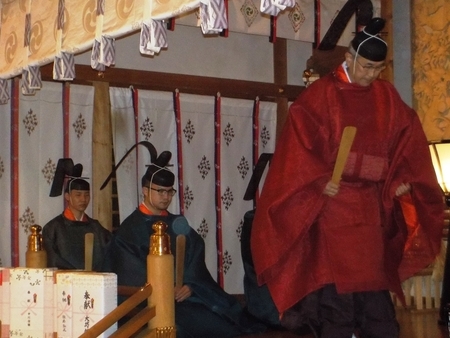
(368, 44)
(157, 172)
(66, 170)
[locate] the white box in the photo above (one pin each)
(4, 301)
(94, 296)
(31, 302)
(63, 304)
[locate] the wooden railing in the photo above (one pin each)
(136, 296)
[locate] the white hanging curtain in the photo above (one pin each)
(155, 122)
(35, 149)
(81, 113)
(196, 115)
(5, 181)
(124, 137)
(217, 147)
(267, 126)
(40, 145)
(236, 167)
(236, 159)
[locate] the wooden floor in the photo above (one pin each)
(413, 324)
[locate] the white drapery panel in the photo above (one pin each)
(236, 159)
(267, 126)
(208, 190)
(197, 116)
(154, 122)
(237, 123)
(197, 136)
(124, 137)
(41, 139)
(5, 182)
(44, 120)
(40, 144)
(81, 113)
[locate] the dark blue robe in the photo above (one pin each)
(64, 242)
(210, 311)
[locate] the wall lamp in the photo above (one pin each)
(440, 155)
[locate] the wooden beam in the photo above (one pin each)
(190, 84)
(101, 155)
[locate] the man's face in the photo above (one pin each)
(78, 199)
(363, 71)
(157, 198)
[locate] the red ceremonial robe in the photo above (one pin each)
(364, 238)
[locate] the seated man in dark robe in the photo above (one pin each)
(64, 235)
(202, 307)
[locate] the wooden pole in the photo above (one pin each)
(101, 155)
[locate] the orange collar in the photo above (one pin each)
(70, 216)
(342, 73)
(143, 208)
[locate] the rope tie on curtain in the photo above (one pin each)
(218, 187)
(177, 111)
(255, 149)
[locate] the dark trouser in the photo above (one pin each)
(334, 315)
(194, 320)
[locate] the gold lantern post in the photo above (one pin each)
(160, 275)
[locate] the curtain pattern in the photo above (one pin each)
(154, 122)
(13, 55)
(124, 137)
(431, 76)
(31, 32)
(35, 140)
(42, 134)
(157, 125)
(198, 146)
(40, 141)
(81, 110)
(39, 31)
(42, 46)
(190, 124)
(236, 169)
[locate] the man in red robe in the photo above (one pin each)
(334, 251)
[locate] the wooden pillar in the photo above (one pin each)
(280, 78)
(101, 155)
